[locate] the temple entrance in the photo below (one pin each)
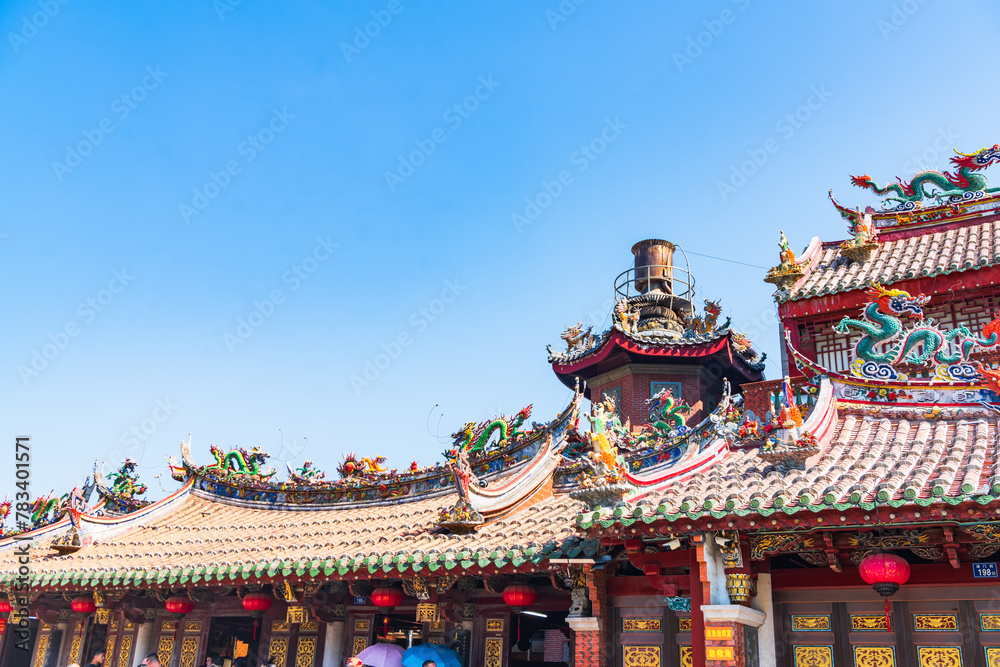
(12, 655)
(539, 640)
(398, 630)
(235, 641)
(97, 639)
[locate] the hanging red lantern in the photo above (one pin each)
(387, 596)
(83, 605)
(519, 596)
(5, 606)
(178, 604)
(886, 573)
(257, 603)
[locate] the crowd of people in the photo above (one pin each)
(153, 660)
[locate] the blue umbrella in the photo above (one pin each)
(382, 655)
(442, 657)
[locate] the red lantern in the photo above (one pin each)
(519, 596)
(386, 596)
(178, 604)
(5, 606)
(886, 573)
(257, 603)
(83, 605)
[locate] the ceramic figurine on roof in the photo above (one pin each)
(626, 317)
(885, 342)
(706, 323)
(964, 184)
(666, 415)
(355, 467)
(307, 474)
(239, 462)
(476, 438)
(577, 340)
(863, 241)
(122, 496)
(788, 272)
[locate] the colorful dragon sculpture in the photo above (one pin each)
(964, 184)
(577, 340)
(474, 438)
(240, 462)
(705, 323)
(882, 329)
(307, 474)
(125, 481)
(355, 467)
(666, 414)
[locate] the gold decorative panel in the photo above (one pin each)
(863, 623)
(640, 625)
(192, 626)
(41, 650)
(641, 656)
(813, 656)
(109, 646)
(437, 626)
(189, 651)
(165, 650)
(683, 625)
(494, 625)
(362, 625)
(278, 650)
(129, 625)
(114, 624)
(939, 656)
(436, 640)
(874, 656)
(360, 644)
(125, 651)
(687, 659)
(427, 612)
(169, 626)
(494, 651)
(280, 626)
(74, 649)
(306, 653)
(309, 626)
(810, 623)
(103, 616)
(992, 657)
(295, 614)
(990, 622)
(934, 622)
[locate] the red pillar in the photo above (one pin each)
(697, 620)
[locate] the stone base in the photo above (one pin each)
(584, 623)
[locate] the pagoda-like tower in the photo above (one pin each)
(657, 341)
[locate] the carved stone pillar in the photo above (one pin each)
(142, 639)
(333, 646)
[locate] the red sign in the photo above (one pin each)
(718, 632)
(3, 625)
(719, 652)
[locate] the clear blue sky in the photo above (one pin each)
(168, 169)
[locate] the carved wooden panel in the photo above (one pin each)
(436, 640)
(74, 648)
(427, 612)
(494, 652)
(189, 651)
(311, 625)
(494, 625)
(278, 649)
(165, 650)
(125, 652)
(869, 623)
(41, 649)
(683, 624)
(192, 626)
(934, 622)
(305, 655)
(362, 625)
(295, 614)
(992, 657)
(990, 622)
(641, 656)
(169, 626)
(640, 625)
(810, 623)
(874, 656)
(109, 646)
(360, 644)
(687, 658)
(939, 656)
(280, 626)
(813, 656)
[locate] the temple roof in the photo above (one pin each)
(191, 536)
(895, 444)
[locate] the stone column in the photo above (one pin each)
(731, 635)
(586, 640)
(142, 638)
(333, 646)
(763, 602)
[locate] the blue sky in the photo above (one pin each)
(218, 214)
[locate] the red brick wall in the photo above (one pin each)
(635, 392)
(554, 642)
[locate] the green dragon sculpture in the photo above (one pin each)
(665, 414)
(885, 342)
(125, 482)
(962, 185)
(474, 438)
(241, 462)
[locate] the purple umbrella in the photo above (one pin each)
(382, 655)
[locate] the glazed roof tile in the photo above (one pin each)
(925, 255)
(198, 536)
